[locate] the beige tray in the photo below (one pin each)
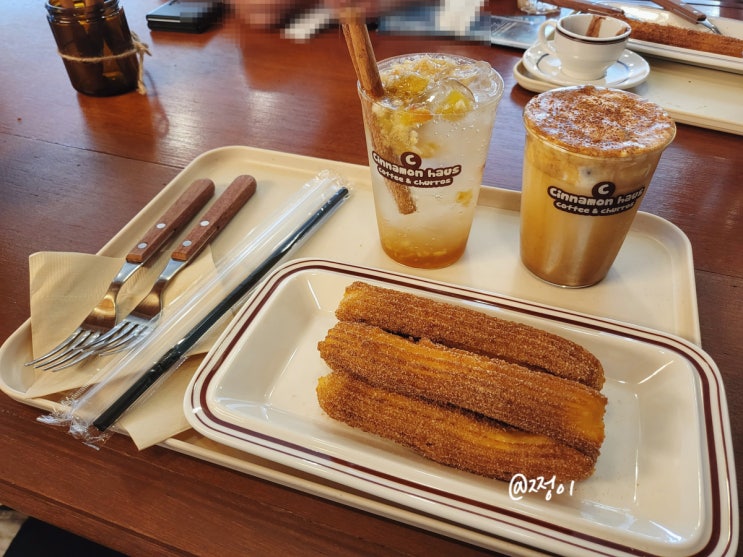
(651, 284)
(692, 95)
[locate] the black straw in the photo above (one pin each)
(172, 356)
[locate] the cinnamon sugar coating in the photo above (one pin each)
(449, 435)
(467, 329)
(532, 401)
(454, 405)
(595, 121)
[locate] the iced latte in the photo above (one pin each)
(428, 140)
(589, 157)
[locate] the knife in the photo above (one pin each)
(688, 13)
(170, 222)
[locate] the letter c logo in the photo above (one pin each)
(603, 189)
(410, 160)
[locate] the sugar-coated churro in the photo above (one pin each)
(530, 400)
(468, 329)
(685, 38)
(449, 435)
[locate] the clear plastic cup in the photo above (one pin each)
(589, 157)
(428, 140)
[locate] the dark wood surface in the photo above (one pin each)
(75, 169)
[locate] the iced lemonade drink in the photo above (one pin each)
(428, 139)
(589, 157)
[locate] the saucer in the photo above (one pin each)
(629, 71)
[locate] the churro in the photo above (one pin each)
(449, 435)
(529, 400)
(685, 38)
(468, 329)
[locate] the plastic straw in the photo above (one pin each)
(251, 257)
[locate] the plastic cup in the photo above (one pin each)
(428, 140)
(589, 156)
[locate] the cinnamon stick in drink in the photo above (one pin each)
(362, 55)
(365, 65)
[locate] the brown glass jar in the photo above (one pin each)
(96, 45)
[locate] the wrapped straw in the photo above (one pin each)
(96, 406)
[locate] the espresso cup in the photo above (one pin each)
(586, 44)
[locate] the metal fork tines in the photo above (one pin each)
(145, 316)
(103, 317)
(141, 319)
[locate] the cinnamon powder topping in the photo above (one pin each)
(596, 121)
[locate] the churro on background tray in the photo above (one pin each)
(453, 384)
(685, 38)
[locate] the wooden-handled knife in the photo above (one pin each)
(687, 12)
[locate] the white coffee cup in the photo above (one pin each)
(586, 44)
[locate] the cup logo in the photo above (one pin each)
(603, 189)
(602, 201)
(411, 160)
(410, 171)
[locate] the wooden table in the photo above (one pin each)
(75, 169)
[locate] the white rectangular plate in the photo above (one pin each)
(727, 26)
(663, 481)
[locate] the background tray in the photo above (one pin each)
(672, 85)
(651, 284)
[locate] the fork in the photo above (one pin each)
(144, 317)
(103, 317)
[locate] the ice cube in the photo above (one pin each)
(478, 77)
(450, 97)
